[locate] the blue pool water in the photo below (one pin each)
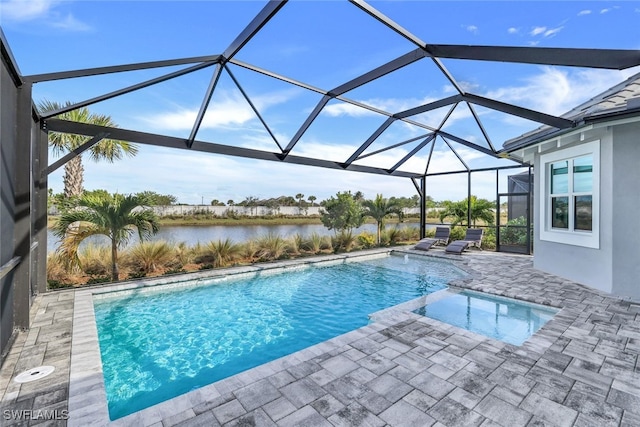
(158, 344)
(504, 319)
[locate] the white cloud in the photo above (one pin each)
(40, 10)
(346, 109)
(538, 30)
(431, 118)
(609, 9)
(545, 31)
(263, 141)
(513, 30)
(556, 91)
(291, 50)
(552, 32)
(391, 105)
(443, 159)
(584, 12)
(25, 10)
(225, 109)
(472, 29)
(322, 150)
(468, 86)
(70, 23)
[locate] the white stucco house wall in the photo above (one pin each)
(587, 201)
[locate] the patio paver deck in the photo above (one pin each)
(580, 369)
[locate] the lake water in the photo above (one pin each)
(192, 234)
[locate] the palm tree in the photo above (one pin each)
(481, 209)
(115, 216)
(107, 149)
(300, 198)
(312, 199)
(379, 209)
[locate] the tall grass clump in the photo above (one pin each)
(409, 234)
(95, 260)
(325, 243)
(344, 241)
(250, 250)
(295, 244)
(148, 257)
(314, 243)
(197, 252)
(57, 272)
(183, 254)
(271, 247)
(392, 236)
(223, 252)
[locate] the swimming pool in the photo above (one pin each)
(157, 343)
(505, 319)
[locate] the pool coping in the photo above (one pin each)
(87, 395)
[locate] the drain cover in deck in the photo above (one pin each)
(34, 374)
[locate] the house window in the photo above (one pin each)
(569, 207)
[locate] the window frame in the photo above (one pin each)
(570, 235)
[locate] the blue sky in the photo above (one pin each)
(323, 44)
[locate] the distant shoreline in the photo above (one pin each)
(189, 220)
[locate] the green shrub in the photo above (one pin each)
(137, 275)
(230, 213)
(457, 233)
(515, 232)
(366, 240)
(432, 213)
(55, 284)
(98, 279)
(489, 241)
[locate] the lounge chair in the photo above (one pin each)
(457, 247)
(473, 237)
(441, 237)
